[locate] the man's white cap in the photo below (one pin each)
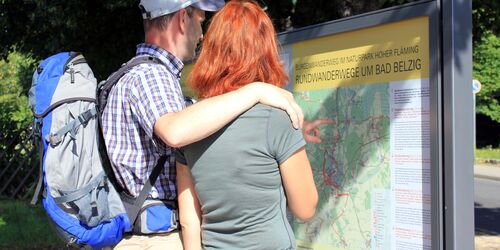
(154, 8)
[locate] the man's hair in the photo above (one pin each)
(240, 47)
(162, 22)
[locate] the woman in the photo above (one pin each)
(237, 183)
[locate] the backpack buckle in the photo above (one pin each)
(53, 139)
(85, 117)
(36, 130)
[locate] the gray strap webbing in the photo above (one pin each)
(133, 213)
(38, 143)
(79, 193)
(72, 127)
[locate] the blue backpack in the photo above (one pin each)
(80, 193)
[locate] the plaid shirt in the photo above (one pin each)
(138, 99)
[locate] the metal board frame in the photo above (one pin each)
(458, 148)
(450, 48)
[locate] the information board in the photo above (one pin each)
(372, 167)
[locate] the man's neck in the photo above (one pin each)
(164, 41)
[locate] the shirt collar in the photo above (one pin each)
(173, 63)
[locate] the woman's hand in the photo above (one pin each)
(311, 131)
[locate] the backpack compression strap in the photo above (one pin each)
(103, 90)
(82, 119)
(38, 142)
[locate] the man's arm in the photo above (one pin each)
(203, 118)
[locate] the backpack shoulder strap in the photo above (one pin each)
(102, 94)
(133, 212)
(105, 86)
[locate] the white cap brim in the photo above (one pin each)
(209, 5)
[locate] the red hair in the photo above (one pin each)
(240, 47)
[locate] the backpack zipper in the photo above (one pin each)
(71, 72)
(70, 67)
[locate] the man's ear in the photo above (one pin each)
(182, 16)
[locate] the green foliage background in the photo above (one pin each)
(486, 56)
(106, 31)
(15, 80)
(486, 68)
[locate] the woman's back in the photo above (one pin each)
(238, 182)
(234, 182)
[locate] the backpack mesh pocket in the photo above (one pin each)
(90, 203)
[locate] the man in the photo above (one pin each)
(146, 117)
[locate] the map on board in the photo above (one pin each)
(351, 165)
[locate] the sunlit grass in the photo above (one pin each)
(487, 154)
(25, 227)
